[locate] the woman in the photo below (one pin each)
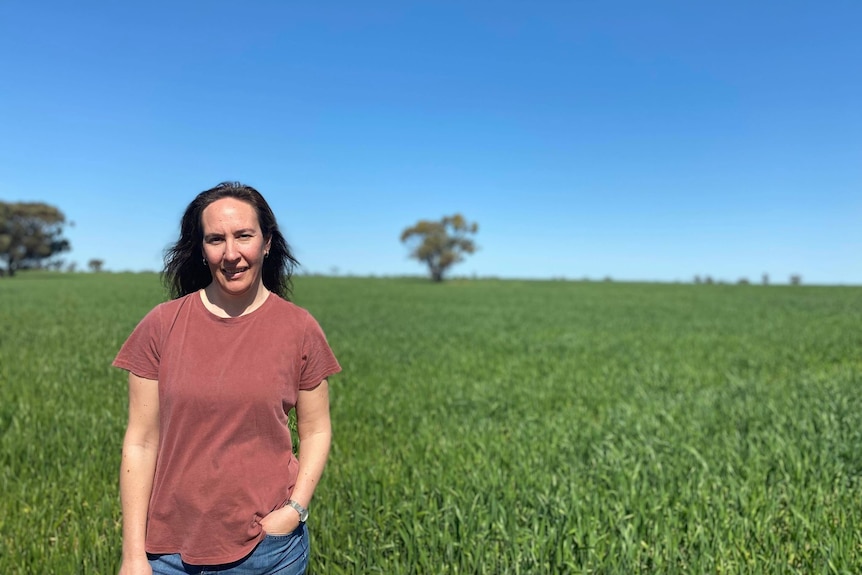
(208, 479)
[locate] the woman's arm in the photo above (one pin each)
(140, 448)
(315, 435)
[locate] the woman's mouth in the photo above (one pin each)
(234, 272)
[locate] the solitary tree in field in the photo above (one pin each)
(30, 232)
(95, 265)
(440, 244)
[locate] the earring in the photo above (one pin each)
(204, 260)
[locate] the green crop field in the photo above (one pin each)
(487, 426)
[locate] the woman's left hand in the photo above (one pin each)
(281, 521)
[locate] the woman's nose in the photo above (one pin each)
(230, 250)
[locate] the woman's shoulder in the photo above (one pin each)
(178, 303)
(170, 308)
(284, 307)
(288, 311)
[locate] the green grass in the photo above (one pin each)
(488, 426)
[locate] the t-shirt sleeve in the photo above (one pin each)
(318, 361)
(140, 354)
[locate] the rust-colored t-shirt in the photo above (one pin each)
(226, 385)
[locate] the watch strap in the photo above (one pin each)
(303, 512)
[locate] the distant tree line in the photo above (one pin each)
(794, 279)
(31, 236)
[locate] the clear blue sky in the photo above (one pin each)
(630, 139)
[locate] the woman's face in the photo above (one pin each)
(234, 246)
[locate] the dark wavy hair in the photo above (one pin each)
(184, 271)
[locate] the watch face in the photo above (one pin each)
(303, 512)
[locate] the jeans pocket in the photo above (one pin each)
(284, 554)
(293, 533)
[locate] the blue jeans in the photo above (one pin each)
(275, 555)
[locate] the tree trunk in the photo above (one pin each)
(436, 274)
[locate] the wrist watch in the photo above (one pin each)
(303, 512)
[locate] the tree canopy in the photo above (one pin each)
(440, 244)
(29, 233)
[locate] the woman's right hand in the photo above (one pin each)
(136, 566)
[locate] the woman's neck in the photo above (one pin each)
(229, 305)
